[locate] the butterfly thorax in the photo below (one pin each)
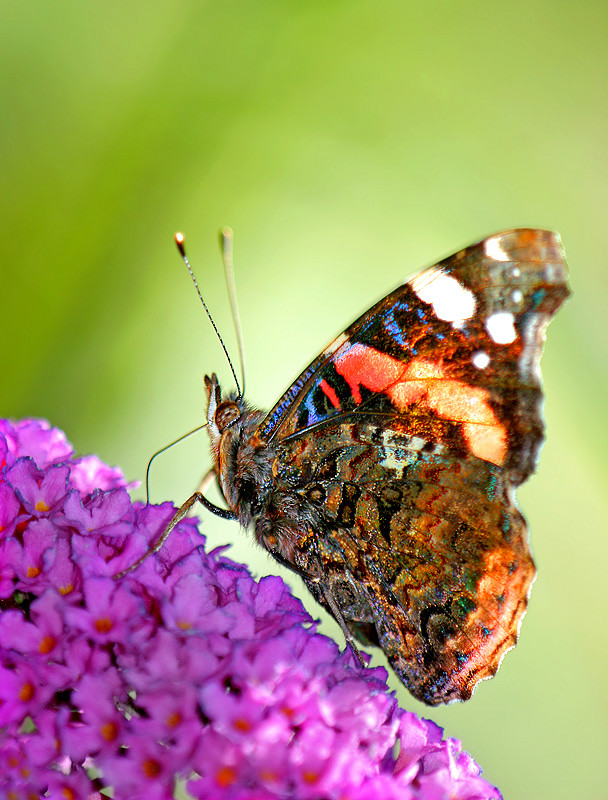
(258, 483)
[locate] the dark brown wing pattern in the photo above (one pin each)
(397, 455)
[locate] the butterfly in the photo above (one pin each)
(385, 476)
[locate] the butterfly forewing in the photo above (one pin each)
(461, 341)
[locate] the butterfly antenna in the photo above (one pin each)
(162, 450)
(226, 246)
(179, 241)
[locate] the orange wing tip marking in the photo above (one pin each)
(427, 382)
(363, 366)
(502, 603)
(487, 442)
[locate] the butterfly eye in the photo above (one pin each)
(226, 414)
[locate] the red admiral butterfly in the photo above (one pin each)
(385, 476)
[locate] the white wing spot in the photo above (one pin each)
(400, 451)
(480, 359)
(501, 327)
(517, 296)
(451, 301)
(494, 250)
(398, 460)
(515, 272)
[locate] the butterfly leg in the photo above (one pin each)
(183, 510)
(334, 607)
(329, 599)
(338, 616)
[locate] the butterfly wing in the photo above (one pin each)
(402, 444)
(424, 553)
(453, 353)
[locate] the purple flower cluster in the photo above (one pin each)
(186, 671)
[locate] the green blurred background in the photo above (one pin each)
(348, 144)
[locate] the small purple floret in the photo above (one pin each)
(186, 670)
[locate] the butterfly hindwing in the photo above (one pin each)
(424, 553)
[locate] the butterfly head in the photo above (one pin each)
(240, 462)
(221, 414)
